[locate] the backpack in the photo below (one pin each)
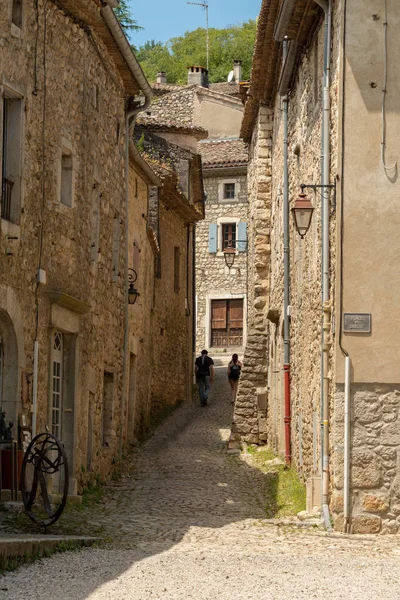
(202, 371)
(235, 372)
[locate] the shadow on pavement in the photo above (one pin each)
(184, 488)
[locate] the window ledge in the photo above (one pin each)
(8, 228)
(15, 31)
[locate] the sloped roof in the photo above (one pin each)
(177, 107)
(223, 153)
(182, 186)
(164, 125)
(228, 89)
(267, 53)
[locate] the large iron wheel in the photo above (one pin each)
(45, 464)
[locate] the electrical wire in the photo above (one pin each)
(384, 92)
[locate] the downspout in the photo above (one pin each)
(326, 302)
(347, 360)
(140, 79)
(286, 268)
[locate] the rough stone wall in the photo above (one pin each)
(171, 320)
(142, 259)
(249, 419)
(375, 469)
(304, 149)
(213, 278)
(59, 109)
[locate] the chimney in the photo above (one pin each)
(237, 70)
(161, 77)
(198, 76)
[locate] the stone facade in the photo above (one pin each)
(213, 278)
(249, 419)
(166, 199)
(353, 287)
(67, 219)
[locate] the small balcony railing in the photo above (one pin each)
(6, 192)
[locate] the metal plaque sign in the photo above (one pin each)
(357, 322)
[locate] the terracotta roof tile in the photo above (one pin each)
(223, 153)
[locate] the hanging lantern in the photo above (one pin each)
(229, 254)
(302, 212)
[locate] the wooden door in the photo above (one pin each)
(226, 323)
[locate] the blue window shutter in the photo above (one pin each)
(212, 238)
(242, 237)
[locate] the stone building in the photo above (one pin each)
(321, 380)
(68, 83)
(166, 200)
(221, 292)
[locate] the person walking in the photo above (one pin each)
(204, 370)
(234, 369)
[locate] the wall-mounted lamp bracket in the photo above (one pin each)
(315, 187)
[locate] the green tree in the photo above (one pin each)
(226, 45)
(124, 16)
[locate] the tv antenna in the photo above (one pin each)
(205, 6)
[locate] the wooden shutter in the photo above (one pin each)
(242, 237)
(212, 238)
(218, 314)
(236, 314)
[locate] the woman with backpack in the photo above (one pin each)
(234, 368)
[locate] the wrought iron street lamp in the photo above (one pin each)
(133, 294)
(230, 251)
(229, 255)
(302, 212)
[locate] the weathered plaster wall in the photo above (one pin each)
(369, 206)
(219, 115)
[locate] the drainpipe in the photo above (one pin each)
(326, 302)
(140, 79)
(286, 268)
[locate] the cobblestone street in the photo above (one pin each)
(189, 523)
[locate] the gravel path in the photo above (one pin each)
(188, 523)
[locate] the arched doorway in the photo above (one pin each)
(9, 402)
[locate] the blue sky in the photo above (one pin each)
(163, 19)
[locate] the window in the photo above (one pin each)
(108, 403)
(95, 221)
(96, 101)
(177, 260)
(57, 376)
(116, 246)
(66, 192)
(1, 372)
(229, 191)
(136, 258)
(228, 235)
(17, 13)
(11, 159)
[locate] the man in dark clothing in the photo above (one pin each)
(204, 370)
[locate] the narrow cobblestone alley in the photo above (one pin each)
(189, 524)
